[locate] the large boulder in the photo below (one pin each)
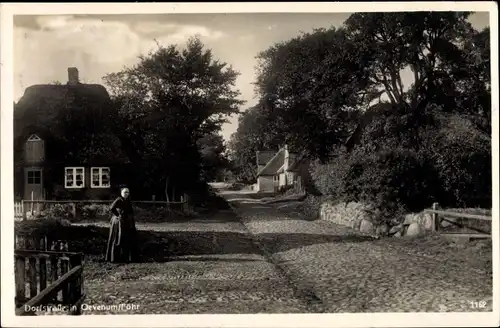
(414, 230)
(424, 219)
(409, 219)
(366, 227)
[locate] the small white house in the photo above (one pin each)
(283, 169)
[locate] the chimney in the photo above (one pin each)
(73, 75)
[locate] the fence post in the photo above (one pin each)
(20, 274)
(73, 210)
(32, 204)
(66, 288)
(435, 218)
(22, 209)
(76, 286)
(43, 272)
(54, 270)
(32, 276)
(185, 203)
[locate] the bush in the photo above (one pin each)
(41, 226)
(57, 211)
(37, 229)
(447, 160)
(329, 178)
(236, 186)
(100, 212)
(392, 181)
(462, 157)
(311, 206)
(93, 211)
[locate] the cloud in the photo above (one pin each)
(53, 22)
(96, 46)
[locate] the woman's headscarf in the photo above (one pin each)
(123, 191)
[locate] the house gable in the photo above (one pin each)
(274, 164)
(262, 158)
(34, 137)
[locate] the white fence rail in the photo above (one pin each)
(18, 210)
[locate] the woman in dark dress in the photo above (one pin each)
(122, 242)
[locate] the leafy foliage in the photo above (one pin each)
(252, 135)
(213, 160)
(166, 103)
(426, 141)
(309, 87)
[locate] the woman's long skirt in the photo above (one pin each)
(122, 242)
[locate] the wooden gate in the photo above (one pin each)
(52, 279)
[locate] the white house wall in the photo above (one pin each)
(283, 180)
(265, 184)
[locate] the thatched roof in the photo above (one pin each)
(44, 106)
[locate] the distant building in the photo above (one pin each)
(44, 167)
(280, 170)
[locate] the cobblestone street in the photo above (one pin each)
(264, 261)
(232, 277)
(347, 273)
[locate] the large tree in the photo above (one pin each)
(448, 59)
(316, 85)
(256, 132)
(308, 87)
(165, 103)
(323, 88)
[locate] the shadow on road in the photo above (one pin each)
(162, 246)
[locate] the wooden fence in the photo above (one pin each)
(47, 279)
(18, 210)
(441, 215)
(27, 207)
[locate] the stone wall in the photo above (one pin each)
(414, 224)
(355, 215)
(361, 217)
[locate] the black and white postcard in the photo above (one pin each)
(249, 164)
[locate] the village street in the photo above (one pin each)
(263, 261)
(219, 270)
(345, 272)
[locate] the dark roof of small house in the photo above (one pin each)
(274, 164)
(264, 156)
(43, 102)
(41, 105)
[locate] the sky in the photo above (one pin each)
(45, 46)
